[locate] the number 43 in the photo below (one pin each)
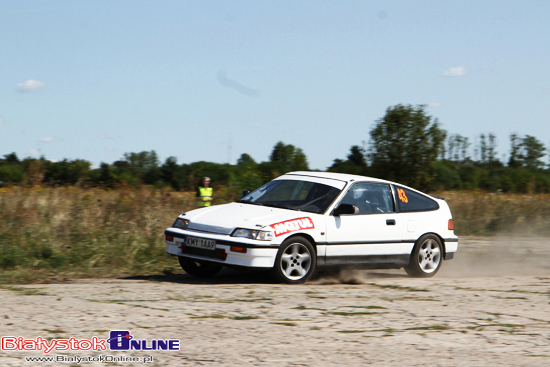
(402, 195)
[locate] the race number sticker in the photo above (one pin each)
(293, 225)
(402, 196)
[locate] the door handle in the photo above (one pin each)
(390, 222)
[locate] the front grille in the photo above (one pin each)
(218, 253)
(206, 228)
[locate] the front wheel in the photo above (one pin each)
(200, 269)
(426, 257)
(295, 261)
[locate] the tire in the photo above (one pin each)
(295, 261)
(199, 268)
(426, 257)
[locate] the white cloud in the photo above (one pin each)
(236, 85)
(49, 139)
(434, 104)
(458, 71)
(30, 85)
(34, 152)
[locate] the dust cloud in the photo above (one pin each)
(476, 257)
(499, 256)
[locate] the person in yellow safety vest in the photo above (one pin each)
(204, 193)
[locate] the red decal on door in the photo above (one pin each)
(293, 225)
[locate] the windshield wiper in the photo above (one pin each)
(249, 202)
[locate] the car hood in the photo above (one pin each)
(223, 219)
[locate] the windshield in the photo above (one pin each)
(294, 194)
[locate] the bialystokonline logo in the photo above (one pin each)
(118, 340)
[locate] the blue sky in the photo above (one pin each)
(210, 80)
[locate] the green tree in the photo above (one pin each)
(245, 175)
(457, 148)
(11, 169)
(357, 157)
(139, 167)
(12, 173)
(488, 148)
(526, 152)
(356, 163)
(143, 160)
(515, 160)
(106, 175)
(11, 158)
(172, 173)
(286, 158)
(66, 172)
(218, 173)
(532, 152)
(405, 144)
(245, 159)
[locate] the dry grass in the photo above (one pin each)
(56, 233)
(51, 234)
(487, 214)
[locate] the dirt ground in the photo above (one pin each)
(487, 307)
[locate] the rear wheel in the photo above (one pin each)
(426, 257)
(295, 261)
(199, 268)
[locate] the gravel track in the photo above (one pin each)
(487, 307)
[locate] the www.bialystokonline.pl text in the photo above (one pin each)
(85, 359)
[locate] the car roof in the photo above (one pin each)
(336, 176)
(344, 177)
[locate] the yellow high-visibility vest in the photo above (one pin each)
(204, 192)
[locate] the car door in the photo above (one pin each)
(372, 234)
(419, 215)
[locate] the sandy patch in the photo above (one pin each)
(488, 306)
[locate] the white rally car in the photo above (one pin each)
(304, 220)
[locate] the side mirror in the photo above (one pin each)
(343, 209)
(244, 193)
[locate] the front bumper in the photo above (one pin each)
(256, 255)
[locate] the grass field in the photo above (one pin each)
(499, 214)
(71, 232)
(51, 234)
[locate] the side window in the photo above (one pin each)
(410, 201)
(369, 198)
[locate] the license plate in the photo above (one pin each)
(200, 243)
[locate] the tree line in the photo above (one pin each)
(406, 145)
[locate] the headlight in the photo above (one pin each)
(181, 223)
(253, 234)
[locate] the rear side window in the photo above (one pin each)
(411, 201)
(369, 198)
